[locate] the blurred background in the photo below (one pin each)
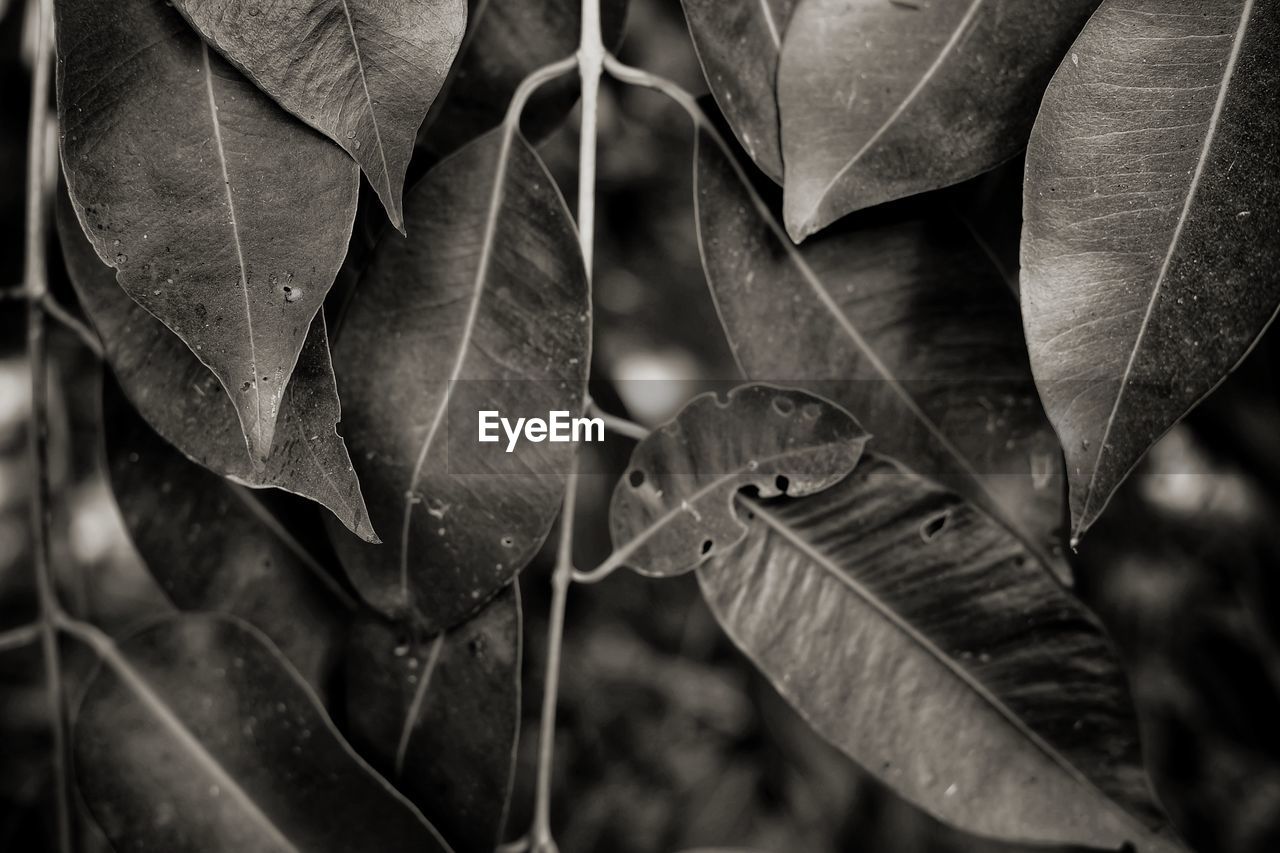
(668, 740)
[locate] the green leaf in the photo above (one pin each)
(1150, 249)
(183, 402)
(196, 736)
(673, 509)
(486, 308)
(738, 44)
(901, 316)
(441, 716)
(881, 100)
(507, 40)
(222, 215)
(212, 546)
(362, 72)
(923, 640)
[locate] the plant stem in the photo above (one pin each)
(613, 423)
(540, 837)
(17, 638)
(35, 278)
(73, 325)
(591, 57)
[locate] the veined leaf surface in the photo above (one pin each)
(182, 400)
(223, 216)
(1152, 208)
(923, 640)
(486, 308)
(881, 100)
(362, 72)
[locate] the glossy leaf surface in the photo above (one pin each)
(183, 402)
(212, 547)
(673, 509)
(901, 316)
(507, 40)
(922, 640)
(485, 308)
(222, 215)
(198, 736)
(362, 72)
(738, 44)
(1152, 208)
(442, 716)
(881, 100)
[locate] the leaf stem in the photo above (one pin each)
(17, 638)
(36, 281)
(617, 424)
(73, 324)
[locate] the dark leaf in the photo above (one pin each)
(738, 44)
(211, 546)
(1152, 205)
(486, 308)
(507, 40)
(362, 72)
(923, 640)
(196, 736)
(442, 716)
(222, 215)
(882, 99)
(673, 509)
(184, 403)
(900, 316)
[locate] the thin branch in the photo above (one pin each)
(18, 638)
(35, 278)
(73, 324)
(617, 424)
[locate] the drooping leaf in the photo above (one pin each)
(738, 44)
(211, 546)
(198, 736)
(486, 308)
(923, 640)
(362, 72)
(1152, 206)
(222, 215)
(881, 100)
(507, 40)
(441, 716)
(183, 402)
(901, 316)
(674, 507)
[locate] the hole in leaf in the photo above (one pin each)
(508, 541)
(636, 478)
(707, 545)
(784, 405)
(782, 483)
(931, 527)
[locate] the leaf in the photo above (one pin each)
(882, 99)
(922, 640)
(901, 316)
(738, 44)
(182, 401)
(506, 40)
(222, 215)
(362, 72)
(198, 736)
(486, 308)
(442, 716)
(674, 508)
(211, 546)
(1149, 252)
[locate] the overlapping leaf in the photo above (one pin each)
(881, 100)
(183, 402)
(902, 317)
(507, 40)
(1152, 205)
(485, 309)
(738, 44)
(198, 736)
(362, 72)
(442, 716)
(222, 215)
(674, 507)
(923, 640)
(211, 546)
